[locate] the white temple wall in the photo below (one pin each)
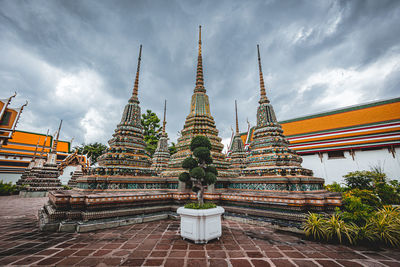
(67, 174)
(333, 169)
(10, 177)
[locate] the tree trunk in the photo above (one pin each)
(200, 196)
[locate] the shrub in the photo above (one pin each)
(8, 188)
(359, 179)
(200, 207)
(189, 163)
(315, 226)
(200, 141)
(335, 187)
(200, 173)
(338, 229)
(354, 210)
(385, 226)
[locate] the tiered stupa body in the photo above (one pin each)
(161, 155)
(44, 175)
(127, 153)
(199, 122)
(238, 153)
(271, 158)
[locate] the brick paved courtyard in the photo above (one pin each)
(159, 244)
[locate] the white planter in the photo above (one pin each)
(201, 226)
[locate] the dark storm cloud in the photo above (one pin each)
(76, 60)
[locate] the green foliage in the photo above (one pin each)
(335, 187)
(363, 218)
(354, 210)
(360, 179)
(184, 177)
(367, 197)
(381, 227)
(189, 163)
(93, 150)
(8, 188)
(200, 141)
(387, 193)
(197, 173)
(66, 187)
(172, 148)
(212, 169)
(202, 153)
(196, 206)
(315, 226)
(210, 178)
(338, 229)
(385, 226)
(152, 130)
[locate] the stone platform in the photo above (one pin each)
(85, 210)
(159, 244)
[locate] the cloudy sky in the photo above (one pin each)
(76, 60)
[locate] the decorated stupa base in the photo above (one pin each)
(82, 211)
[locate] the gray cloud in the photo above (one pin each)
(76, 60)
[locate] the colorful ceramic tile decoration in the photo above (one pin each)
(161, 155)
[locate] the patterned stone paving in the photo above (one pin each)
(159, 244)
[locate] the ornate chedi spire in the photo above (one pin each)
(52, 155)
(28, 169)
(198, 122)
(238, 154)
(161, 155)
(270, 156)
(44, 174)
(127, 154)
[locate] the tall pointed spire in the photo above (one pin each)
(199, 75)
(263, 95)
(164, 121)
(36, 149)
(44, 143)
(136, 86)
(237, 122)
(55, 143)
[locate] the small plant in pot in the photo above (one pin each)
(201, 222)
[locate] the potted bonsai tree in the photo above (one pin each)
(200, 221)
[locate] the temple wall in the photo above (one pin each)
(10, 177)
(67, 174)
(332, 169)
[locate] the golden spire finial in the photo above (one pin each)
(165, 112)
(199, 75)
(263, 98)
(237, 122)
(136, 86)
